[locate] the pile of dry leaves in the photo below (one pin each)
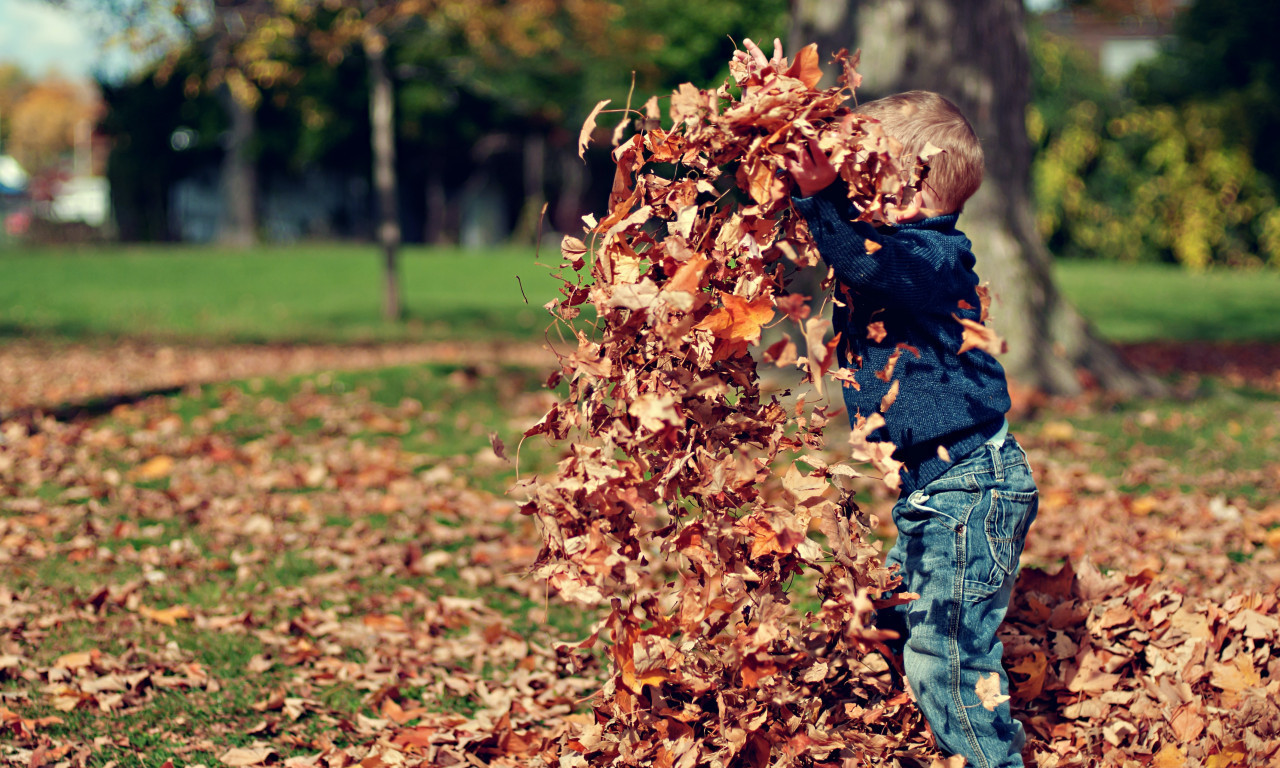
(660, 512)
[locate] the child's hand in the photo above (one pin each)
(812, 169)
(756, 63)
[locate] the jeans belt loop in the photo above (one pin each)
(996, 462)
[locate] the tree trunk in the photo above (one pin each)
(437, 206)
(535, 173)
(976, 55)
(382, 122)
(239, 224)
(573, 184)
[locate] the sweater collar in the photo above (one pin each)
(945, 221)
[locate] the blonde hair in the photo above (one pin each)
(918, 118)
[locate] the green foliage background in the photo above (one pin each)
(1147, 171)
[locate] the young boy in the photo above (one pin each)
(967, 495)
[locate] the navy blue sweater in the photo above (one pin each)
(915, 286)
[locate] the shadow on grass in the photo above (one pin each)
(83, 410)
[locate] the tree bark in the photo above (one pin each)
(382, 122)
(975, 54)
(574, 179)
(239, 224)
(535, 175)
(437, 206)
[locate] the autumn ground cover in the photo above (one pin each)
(273, 569)
(242, 555)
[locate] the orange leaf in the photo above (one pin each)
(1225, 759)
(167, 616)
(153, 469)
(979, 336)
(890, 396)
(1033, 668)
(688, 276)
(739, 319)
(753, 671)
(386, 622)
(805, 67)
(419, 736)
(398, 715)
(1234, 679)
(1170, 756)
(77, 660)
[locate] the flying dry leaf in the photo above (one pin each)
(655, 411)
(820, 356)
(890, 396)
(688, 276)
(781, 353)
(499, 448)
(978, 336)
(739, 319)
(805, 67)
(588, 126)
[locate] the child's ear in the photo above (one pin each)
(911, 210)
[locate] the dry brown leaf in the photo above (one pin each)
(589, 126)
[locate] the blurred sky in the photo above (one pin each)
(41, 39)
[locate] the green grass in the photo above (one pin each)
(1147, 302)
(299, 293)
(333, 293)
(1222, 441)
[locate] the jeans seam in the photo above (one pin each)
(953, 642)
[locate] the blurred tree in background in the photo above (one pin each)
(44, 122)
(448, 107)
(452, 90)
(1173, 164)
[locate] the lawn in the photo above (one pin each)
(296, 294)
(324, 569)
(1150, 302)
(327, 293)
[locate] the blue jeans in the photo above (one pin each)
(959, 540)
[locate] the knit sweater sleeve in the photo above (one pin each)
(900, 264)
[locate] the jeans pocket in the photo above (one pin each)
(939, 508)
(1010, 514)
